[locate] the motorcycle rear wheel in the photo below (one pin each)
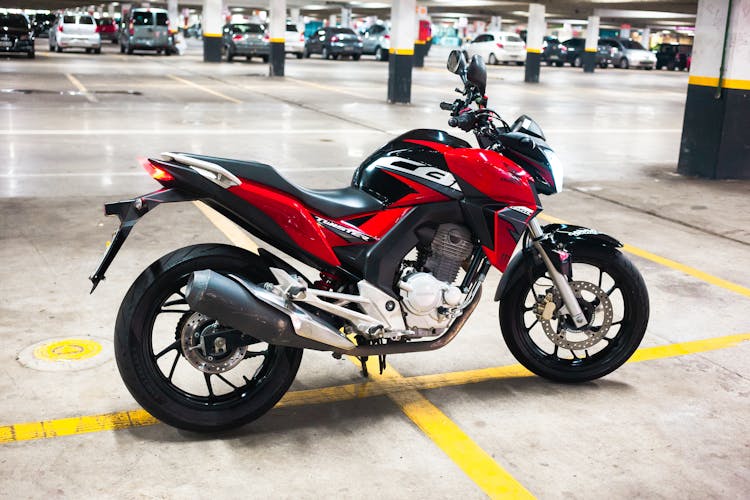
(150, 331)
(622, 316)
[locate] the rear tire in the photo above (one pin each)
(628, 306)
(324, 53)
(356, 57)
(559, 64)
(189, 398)
(491, 59)
(577, 62)
(624, 64)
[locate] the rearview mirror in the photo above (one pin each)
(456, 62)
(477, 73)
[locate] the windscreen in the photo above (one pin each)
(630, 44)
(343, 31)
(162, 19)
(86, 20)
(69, 19)
(291, 27)
(143, 19)
(513, 38)
(248, 28)
(13, 21)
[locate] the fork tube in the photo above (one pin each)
(560, 281)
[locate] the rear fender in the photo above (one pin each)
(559, 237)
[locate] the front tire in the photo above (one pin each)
(155, 318)
(624, 64)
(554, 349)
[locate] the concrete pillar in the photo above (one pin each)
(592, 44)
(111, 10)
(277, 30)
(565, 33)
(346, 17)
(125, 9)
(496, 23)
(294, 14)
(715, 139)
(625, 31)
(174, 15)
(400, 60)
(534, 39)
(646, 37)
(212, 24)
(332, 20)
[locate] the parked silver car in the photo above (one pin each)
(377, 40)
(626, 53)
(74, 30)
(146, 29)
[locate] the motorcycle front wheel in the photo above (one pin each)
(161, 355)
(613, 297)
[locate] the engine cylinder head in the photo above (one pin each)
(450, 247)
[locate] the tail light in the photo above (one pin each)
(335, 39)
(500, 46)
(131, 28)
(98, 28)
(387, 37)
(236, 37)
(156, 172)
(359, 38)
(301, 38)
(60, 28)
(563, 48)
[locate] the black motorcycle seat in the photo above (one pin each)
(337, 203)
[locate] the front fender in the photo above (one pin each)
(561, 236)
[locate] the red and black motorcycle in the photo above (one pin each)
(211, 336)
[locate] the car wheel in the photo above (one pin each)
(122, 49)
(249, 58)
(356, 57)
(228, 54)
(492, 59)
(129, 50)
(306, 53)
(559, 64)
(98, 51)
(325, 54)
(671, 66)
(624, 64)
(379, 54)
(59, 49)
(299, 55)
(264, 58)
(577, 62)
(31, 55)
(519, 63)
(649, 68)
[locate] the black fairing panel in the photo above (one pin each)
(526, 151)
(375, 181)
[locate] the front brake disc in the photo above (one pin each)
(593, 334)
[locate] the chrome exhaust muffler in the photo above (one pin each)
(260, 313)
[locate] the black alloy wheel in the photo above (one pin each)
(168, 367)
(614, 299)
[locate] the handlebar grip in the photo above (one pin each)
(446, 106)
(452, 122)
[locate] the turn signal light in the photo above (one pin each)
(156, 172)
(131, 28)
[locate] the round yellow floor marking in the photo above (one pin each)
(68, 349)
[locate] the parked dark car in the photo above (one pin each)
(576, 48)
(334, 43)
(246, 39)
(673, 56)
(41, 24)
(16, 34)
(554, 52)
(107, 29)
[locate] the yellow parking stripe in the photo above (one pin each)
(205, 89)
(708, 278)
(384, 386)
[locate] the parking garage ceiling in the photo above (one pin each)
(635, 12)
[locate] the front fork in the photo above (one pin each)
(561, 282)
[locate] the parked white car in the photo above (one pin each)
(75, 31)
(498, 47)
(294, 41)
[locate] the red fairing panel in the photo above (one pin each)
(492, 174)
(293, 217)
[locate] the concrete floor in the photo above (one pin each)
(663, 428)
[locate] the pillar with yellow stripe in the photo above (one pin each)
(716, 129)
(534, 41)
(592, 44)
(212, 26)
(277, 30)
(401, 56)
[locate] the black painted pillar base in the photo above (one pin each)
(715, 143)
(212, 48)
(276, 59)
(399, 78)
(533, 61)
(420, 51)
(589, 61)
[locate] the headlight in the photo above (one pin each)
(556, 167)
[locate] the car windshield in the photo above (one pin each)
(248, 28)
(162, 19)
(106, 22)
(69, 19)
(143, 19)
(343, 31)
(291, 27)
(513, 38)
(630, 44)
(13, 21)
(86, 20)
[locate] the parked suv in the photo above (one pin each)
(553, 52)
(334, 43)
(376, 40)
(673, 56)
(74, 30)
(246, 39)
(626, 53)
(576, 48)
(16, 34)
(146, 29)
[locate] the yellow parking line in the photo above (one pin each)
(77, 84)
(205, 89)
(696, 273)
(383, 386)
